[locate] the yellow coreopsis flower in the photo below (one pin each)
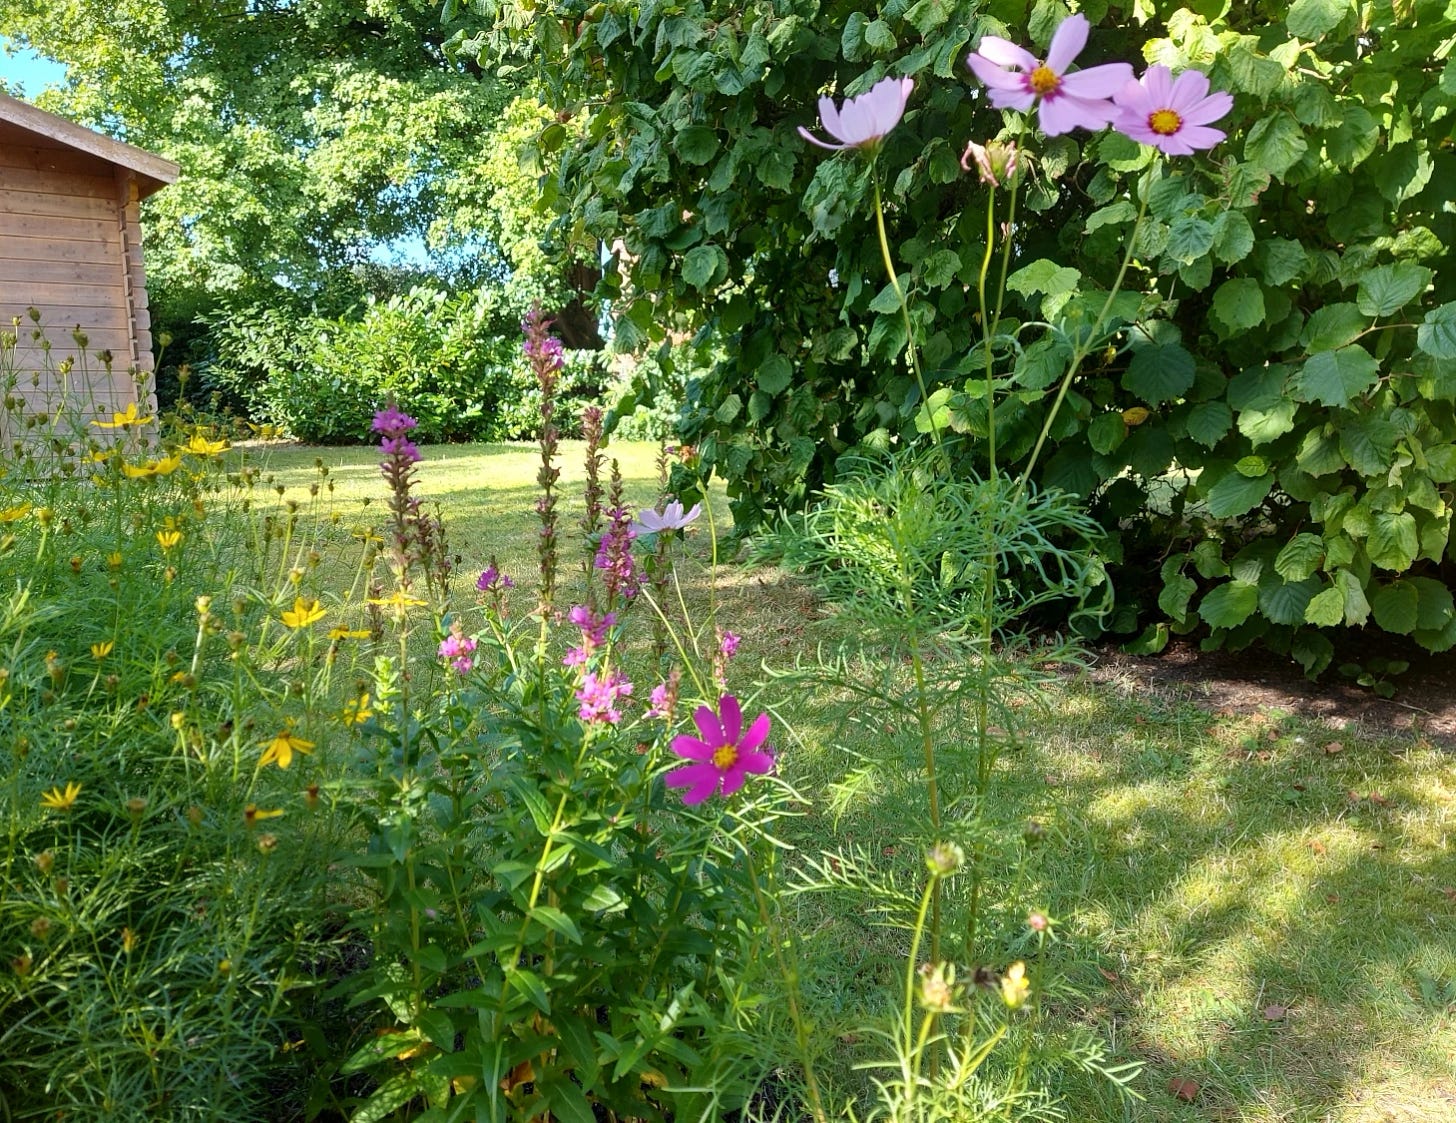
(58, 800)
(302, 614)
(253, 813)
(201, 446)
(167, 539)
(357, 711)
(10, 514)
(100, 651)
(281, 748)
(397, 599)
(122, 420)
(340, 631)
(1015, 986)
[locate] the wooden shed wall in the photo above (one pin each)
(70, 246)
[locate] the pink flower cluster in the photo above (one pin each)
(614, 556)
(595, 628)
(459, 651)
(392, 425)
(599, 695)
(492, 580)
(1172, 115)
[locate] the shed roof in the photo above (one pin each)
(153, 172)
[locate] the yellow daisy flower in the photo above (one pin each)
(303, 613)
(357, 711)
(281, 748)
(397, 599)
(201, 446)
(167, 539)
(1015, 986)
(10, 514)
(340, 631)
(123, 420)
(100, 651)
(58, 800)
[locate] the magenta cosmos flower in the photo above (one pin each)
(724, 756)
(861, 122)
(1171, 114)
(1017, 80)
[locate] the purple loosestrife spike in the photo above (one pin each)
(1171, 114)
(863, 121)
(723, 756)
(1018, 80)
(598, 697)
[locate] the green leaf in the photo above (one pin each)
(940, 268)
(879, 37)
(1177, 591)
(775, 168)
(1284, 260)
(1233, 494)
(1313, 19)
(1332, 326)
(775, 374)
(1106, 432)
(1334, 378)
(1436, 605)
(1319, 453)
(1395, 607)
(1393, 542)
(696, 144)
(1208, 559)
(888, 298)
(1041, 364)
(1233, 237)
(1389, 288)
(729, 409)
(1437, 334)
(1043, 276)
(1190, 238)
(700, 265)
(1252, 466)
(1153, 639)
(568, 1103)
(1229, 605)
(1264, 425)
(1300, 556)
(1286, 602)
(1238, 305)
(1326, 608)
(1209, 421)
(1357, 608)
(530, 986)
(1275, 143)
(1368, 445)
(1159, 372)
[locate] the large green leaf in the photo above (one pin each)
(1284, 602)
(1326, 608)
(1238, 305)
(1232, 494)
(1437, 334)
(1208, 422)
(1395, 607)
(1229, 605)
(1389, 288)
(1313, 19)
(1190, 238)
(1300, 556)
(1393, 542)
(1275, 143)
(1335, 378)
(1159, 372)
(1332, 326)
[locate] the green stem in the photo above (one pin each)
(904, 306)
(927, 746)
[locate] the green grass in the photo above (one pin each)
(1237, 907)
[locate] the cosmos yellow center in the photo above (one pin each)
(1044, 80)
(725, 757)
(1164, 122)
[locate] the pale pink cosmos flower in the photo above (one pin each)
(1171, 114)
(1018, 80)
(671, 517)
(724, 756)
(863, 121)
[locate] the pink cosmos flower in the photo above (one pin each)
(1018, 80)
(671, 517)
(863, 121)
(724, 755)
(1171, 114)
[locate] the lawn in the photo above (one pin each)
(1260, 911)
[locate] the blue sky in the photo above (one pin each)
(28, 70)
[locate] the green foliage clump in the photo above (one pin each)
(1270, 409)
(444, 359)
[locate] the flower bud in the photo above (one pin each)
(937, 987)
(995, 163)
(944, 858)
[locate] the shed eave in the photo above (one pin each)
(153, 172)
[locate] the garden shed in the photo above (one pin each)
(70, 247)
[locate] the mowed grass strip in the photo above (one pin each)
(1261, 910)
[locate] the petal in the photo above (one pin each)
(829, 114)
(690, 748)
(755, 735)
(1133, 96)
(709, 726)
(1209, 110)
(694, 513)
(1067, 43)
(1200, 136)
(1189, 89)
(1020, 100)
(1063, 114)
(733, 780)
(1097, 81)
(1159, 84)
(812, 139)
(994, 76)
(732, 717)
(701, 780)
(760, 763)
(1003, 52)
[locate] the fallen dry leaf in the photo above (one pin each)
(1274, 1013)
(1333, 747)
(1450, 893)
(1185, 1089)
(1112, 976)
(1317, 846)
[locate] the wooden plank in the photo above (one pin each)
(16, 276)
(17, 150)
(46, 294)
(65, 317)
(51, 203)
(18, 248)
(42, 124)
(58, 228)
(72, 184)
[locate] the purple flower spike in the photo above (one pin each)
(1018, 80)
(671, 517)
(393, 423)
(863, 121)
(724, 756)
(1171, 114)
